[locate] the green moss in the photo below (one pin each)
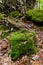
(21, 43)
(35, 15)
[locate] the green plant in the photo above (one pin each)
(1, 16)
(1, 27)
(4, 34)
(35, 15)
(21, 43)
(16, 14)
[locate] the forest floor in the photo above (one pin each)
(25, 60)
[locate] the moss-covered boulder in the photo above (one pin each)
(35, 15)
(21, 43)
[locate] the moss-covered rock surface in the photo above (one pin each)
(35, 15)
(22, 42)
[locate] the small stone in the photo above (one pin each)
(11, 29)
(35, 57)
